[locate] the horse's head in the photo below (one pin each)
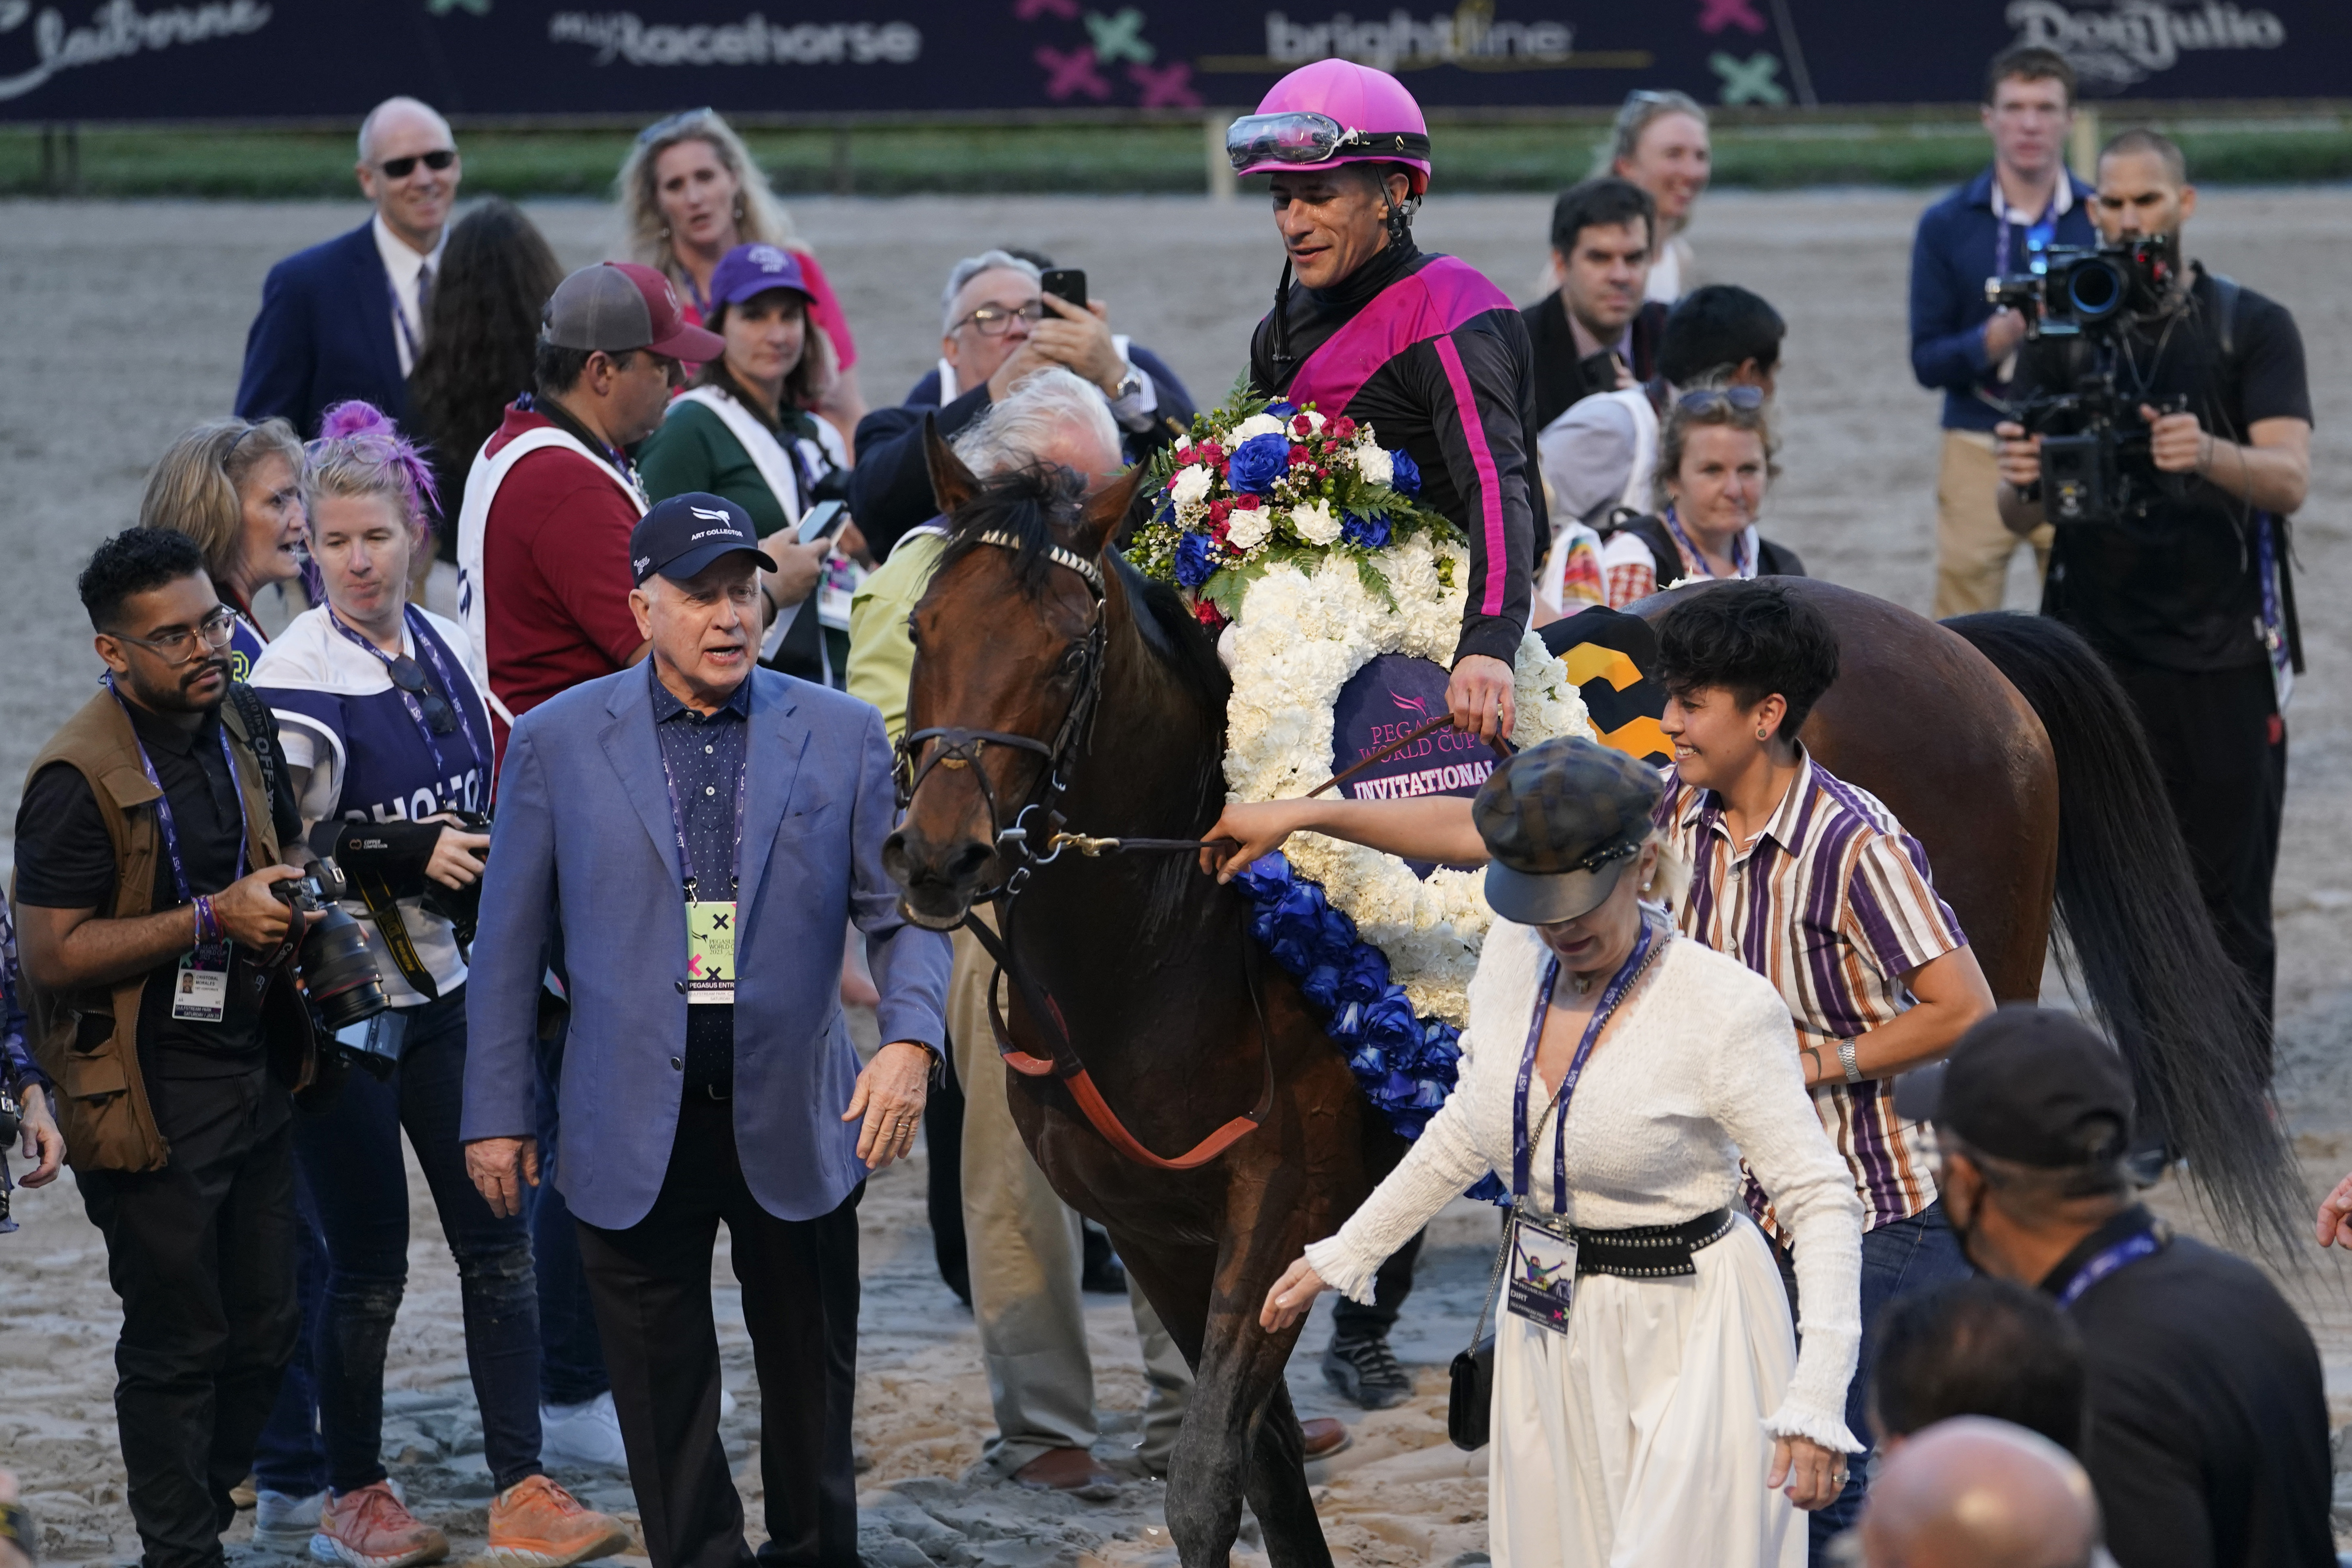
(1009, 647)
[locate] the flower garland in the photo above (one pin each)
(1303, 604)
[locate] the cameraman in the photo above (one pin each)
(163, 1011)
(2191, 605)
(385, 736)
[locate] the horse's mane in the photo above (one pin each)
(1026, 504)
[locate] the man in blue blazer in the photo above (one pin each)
(693, 829)
(347, 318)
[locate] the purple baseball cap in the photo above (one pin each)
(749, 269)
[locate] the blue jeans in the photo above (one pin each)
(572, 1358)
(360, 1188)
(1898, 1259)
(290, 1457)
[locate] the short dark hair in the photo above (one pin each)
(2139, 138)
(1751, 639)
(1978, 1347)
(1600, 204)
(133, 562)
(2029, 62)
(556, 371)
(1716, 330)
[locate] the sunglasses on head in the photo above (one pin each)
(409, 676)
(1746, 399)
(671, 124)
(401, 168)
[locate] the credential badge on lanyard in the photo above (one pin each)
(709, 922)
(200, 985)
(1543, 1256)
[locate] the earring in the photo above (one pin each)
(665, 231)
(1760, 735)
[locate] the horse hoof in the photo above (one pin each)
(1324, 1436)
(1072, 1471)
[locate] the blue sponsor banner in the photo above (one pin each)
(264, 59)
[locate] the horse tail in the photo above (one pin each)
(2138, 940)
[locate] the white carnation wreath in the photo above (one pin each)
(1301, 637)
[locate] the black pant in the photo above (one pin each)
(2220, 747)
(202, 1254)
(1390, 1286)
(651, 1284)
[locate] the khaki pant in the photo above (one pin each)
(1973, 546)
(1025, 1252)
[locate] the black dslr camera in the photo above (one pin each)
(339, 974)
(461, 907)
(2096, 467)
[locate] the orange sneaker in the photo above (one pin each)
(535, 1523)
(370, 1528)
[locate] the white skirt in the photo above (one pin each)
(1636, 1439)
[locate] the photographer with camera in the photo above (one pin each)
(157, 973)
(2164, 425)
(387, 742)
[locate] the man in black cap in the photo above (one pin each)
(693, 833)
(2208, 1416)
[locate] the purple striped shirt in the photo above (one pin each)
(1834, 904)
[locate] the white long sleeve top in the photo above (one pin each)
(1698, 1068)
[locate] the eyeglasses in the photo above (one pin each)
(1746, 399)
(401, 168)
(995, 321)
(214, 632)
(409, 676)
(670, 125)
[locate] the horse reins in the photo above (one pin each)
(960, 748)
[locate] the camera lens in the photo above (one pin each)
(2095, 288)
(337, 973)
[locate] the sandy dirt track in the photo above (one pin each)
(125, 322)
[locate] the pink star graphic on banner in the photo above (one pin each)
(1171, 87)
(1717, 15)
(1030, 10)
(1073, 72)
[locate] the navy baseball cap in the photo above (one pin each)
(684, 535)
(750, 269)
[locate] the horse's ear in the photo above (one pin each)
(1106, 512)
(952, 484)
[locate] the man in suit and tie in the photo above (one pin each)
(346, 318)
(697, 829)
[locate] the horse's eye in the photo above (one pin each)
(914, 634)
(1073, 659)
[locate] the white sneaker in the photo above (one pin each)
(285, 1523)
(587, 1436)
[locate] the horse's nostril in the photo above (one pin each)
(963, 866)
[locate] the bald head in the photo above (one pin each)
(400, 141)
(1976, 1493)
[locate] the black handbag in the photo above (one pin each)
(1470, 1401)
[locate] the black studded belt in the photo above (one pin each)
(1649, 1251)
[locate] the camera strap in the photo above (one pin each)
(384, 910)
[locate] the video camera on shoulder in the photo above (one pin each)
(2096, 466)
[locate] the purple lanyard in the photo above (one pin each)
(2130, 1250)
(430, 648)
(163, 802)
(1521, 1151)
(1698, 559)
(677, 823)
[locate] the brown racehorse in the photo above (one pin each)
(1066, 682)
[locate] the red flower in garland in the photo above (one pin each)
(1341, 429)
(1300, 454)
(1209, 615)
(1245, 504)
(1302, 426)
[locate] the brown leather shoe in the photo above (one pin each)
(1067, 1470)
(1324, 1436)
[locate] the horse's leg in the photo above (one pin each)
(1277, 1483)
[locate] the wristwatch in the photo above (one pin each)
(1129, 386)
(1846, 1059)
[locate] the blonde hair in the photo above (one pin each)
(1640, 111)
(1670, 874)
(360, 453)
(193, 487)
(759, 218)
(1674, 435)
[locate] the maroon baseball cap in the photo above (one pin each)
(616, 306)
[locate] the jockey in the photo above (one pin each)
(1421, 347)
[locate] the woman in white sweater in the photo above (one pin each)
(1614, 1075)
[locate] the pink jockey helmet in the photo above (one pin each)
(1383, 124)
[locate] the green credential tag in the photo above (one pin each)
(710, 952)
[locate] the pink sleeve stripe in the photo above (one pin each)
(1490, 489)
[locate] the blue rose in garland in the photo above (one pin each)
(1407, 473)
(1372, 534)
(1195, 564)
(1257, 462)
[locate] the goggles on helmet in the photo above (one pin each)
(1300, 137)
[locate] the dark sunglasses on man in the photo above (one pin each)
(409, 676)
(401, 168)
